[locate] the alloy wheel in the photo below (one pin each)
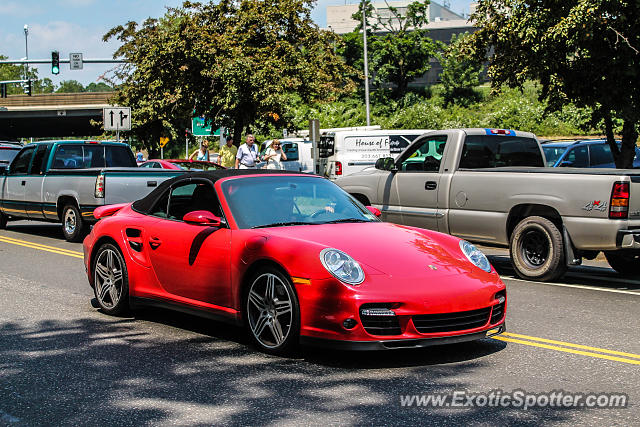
(270, 310)
(108, 278)
(70, 221)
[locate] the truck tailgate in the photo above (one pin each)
(128, 185)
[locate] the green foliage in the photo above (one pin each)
(460, 72)
(98, 87)
(583, 52)
(512, 108)
(70, 86)
(235, 62)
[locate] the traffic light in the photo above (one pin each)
(55, 62)
(3, 90)
(29, 87)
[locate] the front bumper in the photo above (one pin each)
(401, 344)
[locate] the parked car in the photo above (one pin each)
(294, 259)
(181, 164)
(64, 181)
(8, 151)
(491, 186)
(592, 153)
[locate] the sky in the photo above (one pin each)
(78, 26)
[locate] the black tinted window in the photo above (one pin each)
(489, 151)
(7, 154)
(68, 157)
(119, 156)
(600, 154)
(21, 162)
(39, 160)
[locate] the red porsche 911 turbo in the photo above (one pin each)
(294, 259)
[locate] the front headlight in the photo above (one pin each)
(474, 255)
(342, 266)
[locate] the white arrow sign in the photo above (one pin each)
(117, 118)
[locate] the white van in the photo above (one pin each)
(298, 152)
(347, 152)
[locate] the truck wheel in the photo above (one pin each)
(625, 262)
(72, 224)
(537, 250)
(3, 221)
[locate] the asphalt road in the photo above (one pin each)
(64, 363)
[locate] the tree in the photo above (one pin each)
(98, 87)
(233, 62)
(70, 86)
(401, 48)
(460, 72)
(582, 51)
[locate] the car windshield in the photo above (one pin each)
(552, 154)
(6, 155)
(195, 166)
(272, 201)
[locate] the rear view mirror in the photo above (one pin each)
(202, 218)
(385, 164)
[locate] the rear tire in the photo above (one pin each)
(626, 262)
(272, 312)
(73, 226)
(111, 280)
(537, 250)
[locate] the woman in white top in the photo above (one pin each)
(274, 155)
(202, 153)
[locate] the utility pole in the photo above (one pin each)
(26, 51)
(366, 64)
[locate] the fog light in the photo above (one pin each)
(349, 323)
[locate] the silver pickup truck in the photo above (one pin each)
(490, 186)
(64, 181)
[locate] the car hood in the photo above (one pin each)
(384, 248)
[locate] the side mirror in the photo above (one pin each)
(203, 218)
(374, 211)
(386, 164)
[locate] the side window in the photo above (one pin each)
(119, 156)
(185, 198)
(93, 156)
(600, 155)
(21, 162)
(68, 157)
(577, 157)
(147, 165)
(425, 156)
(39, 160)
(157, 165)
(491, 151)
(291, 151)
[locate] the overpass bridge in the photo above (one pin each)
(52, 115)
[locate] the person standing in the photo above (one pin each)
(202, 153)
(247, 156)
(228, 152)
(274, 155)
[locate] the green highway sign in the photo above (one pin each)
(199, 127)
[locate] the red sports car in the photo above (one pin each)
(294, 259)
(182, 164)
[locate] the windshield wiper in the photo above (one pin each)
(336, 221)
(283, 224)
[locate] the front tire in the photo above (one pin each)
(626, 262)
(272, 312)
(111, 280)
(537, 250)
(73, 225)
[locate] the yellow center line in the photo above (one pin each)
(41, 247)
(569, 350)
(567, 344)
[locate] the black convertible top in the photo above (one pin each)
(145, 204)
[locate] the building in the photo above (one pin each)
(443, 23)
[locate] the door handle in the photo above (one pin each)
(152, 183)
(154, 242)
(430, 185)
(24, 182)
